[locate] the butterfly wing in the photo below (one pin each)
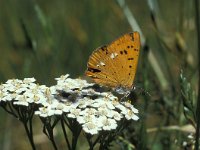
(115, 65)
(100, 68)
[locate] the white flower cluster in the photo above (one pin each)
(74, 98)
(24, 92)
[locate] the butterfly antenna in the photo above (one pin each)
(141, 90)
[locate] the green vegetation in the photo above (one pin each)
(45, 39)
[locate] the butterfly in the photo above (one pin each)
(115, 65)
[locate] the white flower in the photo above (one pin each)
(36, 96)
(102, 111)
(53, 90)
(68, 83)
(129, 105)
(101, 102)
(55, 108)
(62, 77)
(77, 83)
(130, 115)
(111, 97)
(29, 80)
(28, 94)
(89, 92)
(95, 111)
(110, 105)
(50, 97)
(88, 111)
(83, 103)
(58, 107)
(40, 99)
(58, 112)
(1, 87)
(109, 113)
(20, 90)
(74, 113)
(90, 127)
(44, 112)
(42, 88)
(70, 106)
(9, 97)
(121, 108)
(21, 100)
(9, 87)
(116, 115)
(85, 118)
(115, 103)
(14, 81)
(67, 108)
(108, 124)
(3, 94)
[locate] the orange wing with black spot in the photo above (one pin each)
(115, 65)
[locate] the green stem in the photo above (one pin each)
(48, 130)
(76, 132)
(65, 134)
(196, 3)
(30, 136)
(96, 141)
(25, 115)
(52, 139)
(9, 110)
(50, 134)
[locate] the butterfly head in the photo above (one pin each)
(122, 90)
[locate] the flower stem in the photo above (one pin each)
(30, 136)
(76, 132)
(65, 134)
(48, 130)
(27, 120)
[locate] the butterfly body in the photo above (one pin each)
(115, 65)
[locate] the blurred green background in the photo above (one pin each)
(45, 39)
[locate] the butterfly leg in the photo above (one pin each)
(125, 96)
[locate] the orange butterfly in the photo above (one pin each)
(115, 65)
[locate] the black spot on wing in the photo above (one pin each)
(105, 49)
(132, 36)
(135, 49)
(125, 52)
(93, 70)
(130, 58)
